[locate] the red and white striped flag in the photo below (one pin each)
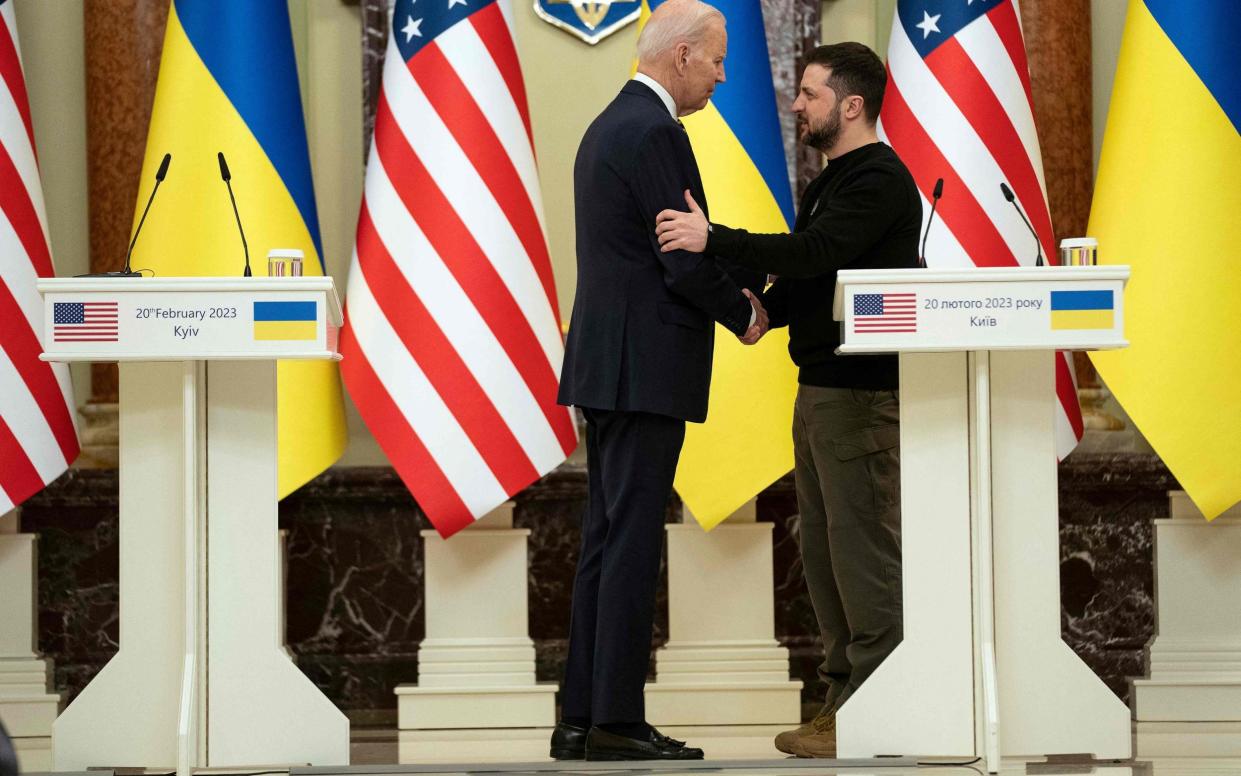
(452, 345)
(958, 107)
(38, 432)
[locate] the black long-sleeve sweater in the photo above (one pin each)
(862, 212)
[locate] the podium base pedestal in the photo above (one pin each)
(473, 745)
(26, 706)
(1186, 700)
(28, 710)
(34, 754)
(1188, 739)
(671, 703)
(475, 709)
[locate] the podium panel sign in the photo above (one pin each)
(1030, 308)
(190, 318)
(210, 687)
(982, 670)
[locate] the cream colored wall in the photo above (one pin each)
(568, 83)
(865, 21)
(1107, 23)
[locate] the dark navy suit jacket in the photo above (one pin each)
(642, 331)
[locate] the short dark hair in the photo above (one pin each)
(855, 69)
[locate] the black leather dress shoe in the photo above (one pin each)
(602, 745)
(568, 742)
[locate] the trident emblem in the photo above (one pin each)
(590, 12)
(590, 20)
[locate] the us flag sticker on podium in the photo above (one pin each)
(887, 313)
(85, 322)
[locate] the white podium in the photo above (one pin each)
(201, 678)
(982, 671)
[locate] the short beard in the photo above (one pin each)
(824, 137)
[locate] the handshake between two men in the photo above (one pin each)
(638, 362)
(688, 231)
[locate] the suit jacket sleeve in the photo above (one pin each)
(744, 277)
(659, 180)
(858, 216)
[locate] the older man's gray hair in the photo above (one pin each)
(673, 22)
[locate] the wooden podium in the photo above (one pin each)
(201, 678)
(982, 671)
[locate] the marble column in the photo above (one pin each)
(27, 706)
(124, 39)
(1191, 704)
(792, 28)
(722, 669)
(476, 687)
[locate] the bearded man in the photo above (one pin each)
(862, 212)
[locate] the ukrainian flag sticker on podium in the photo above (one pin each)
(1082, 310)
(285, 320)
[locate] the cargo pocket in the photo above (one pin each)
(870, 458)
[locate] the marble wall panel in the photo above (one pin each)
(1108, 505)
(355, 574)
(792, 28)
(78, 612)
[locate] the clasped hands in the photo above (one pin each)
(678, 231)
(760, 325)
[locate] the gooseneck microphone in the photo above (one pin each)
(935, 195)
(227, 176)
(1008, 195)
(159, 178)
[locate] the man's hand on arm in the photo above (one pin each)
(760, 323)
(678, 231)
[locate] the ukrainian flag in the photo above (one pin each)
(285, 320)
(1167, 203)
(746, 443)
(1082, 310)
(228, 82)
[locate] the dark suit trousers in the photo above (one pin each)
(631, 458)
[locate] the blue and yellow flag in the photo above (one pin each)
(228, 83)
(746, 443)
(1167, 202)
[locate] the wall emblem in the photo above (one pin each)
(590, 20)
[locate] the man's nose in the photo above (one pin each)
(719, 76)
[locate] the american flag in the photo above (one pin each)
(452, 338)
(38, 435)
(888, 313)
(84, 322)
(958, 106)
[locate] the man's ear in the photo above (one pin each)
(855, 107)
(682, 57)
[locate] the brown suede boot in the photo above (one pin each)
(787, 741)
(822, 742)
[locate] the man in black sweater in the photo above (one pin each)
(862, 212)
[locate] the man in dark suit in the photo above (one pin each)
(638, 364)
